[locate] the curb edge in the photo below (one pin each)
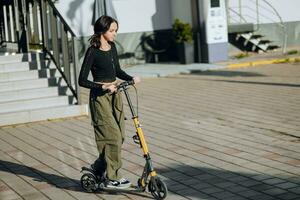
(263, 62)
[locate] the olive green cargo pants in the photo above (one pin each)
(108, 120)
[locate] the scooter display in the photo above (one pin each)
(149, 178)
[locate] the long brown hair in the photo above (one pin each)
(100, 27)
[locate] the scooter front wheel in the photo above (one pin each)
(88, 182)
(157, 188)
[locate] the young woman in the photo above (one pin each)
(101, 59)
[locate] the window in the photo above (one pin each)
(214, 3)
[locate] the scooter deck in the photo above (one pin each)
(132, 188)
(101, 185)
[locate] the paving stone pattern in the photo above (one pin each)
(225, 134)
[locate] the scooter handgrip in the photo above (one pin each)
(130, 82)
(125, 83)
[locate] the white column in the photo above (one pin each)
(5, 23)
(39, 22)
(17, 15)
(31, 19)
(11, 20)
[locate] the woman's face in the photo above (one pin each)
(111, 33)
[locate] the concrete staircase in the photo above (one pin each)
(256, 42)
(245, 21)
(32, 89)
(243, 36)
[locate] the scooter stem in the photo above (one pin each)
(137, 124)
(141, 135)
(129, 102)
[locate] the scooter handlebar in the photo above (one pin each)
(124, 84)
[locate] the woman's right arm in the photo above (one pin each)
(85, 70)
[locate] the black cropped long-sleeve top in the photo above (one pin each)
(104, 66)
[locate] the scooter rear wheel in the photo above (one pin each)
(157, 188)
(88, 182)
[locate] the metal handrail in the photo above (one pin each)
(282, 24)
(258, 7)
(61, 17)
(53, 51)
(241, 17)
(40, 24)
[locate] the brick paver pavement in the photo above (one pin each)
(226, 134)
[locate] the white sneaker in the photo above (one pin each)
(123, 183)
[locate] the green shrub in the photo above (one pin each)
(297, 60)
(241, 55)
(182, 31)
(284, 60)
(291, 52)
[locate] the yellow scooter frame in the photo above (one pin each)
(91, 183)
(155, 185)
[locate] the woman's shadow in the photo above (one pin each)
(40, 176)
(61, 182)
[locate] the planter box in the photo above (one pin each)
(185, 52)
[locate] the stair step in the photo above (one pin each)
(31, 83)
(25, 66)
(28, 94)
(32, 74)
(257, 36)
(254, 41)
(247, 36)
(33, 104)
(263, 47)
(32, 89)
(272, 47)
(240, 27)
(21, 57)
(11, 47)
(14, 66)
(265, 41)
(49, 113)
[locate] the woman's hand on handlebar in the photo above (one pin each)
(136, 79)
(110, 87)
(114, 86)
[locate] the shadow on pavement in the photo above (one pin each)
(224, 73)
(207, 183)
(237, 74)
(61, 182)
(40, 176)
(188, 181)
(262, 83)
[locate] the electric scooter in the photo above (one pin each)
(91, 183)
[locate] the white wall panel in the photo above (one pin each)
(287, 9)
(133, 15)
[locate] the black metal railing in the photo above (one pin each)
(37, 24)
(256, 11)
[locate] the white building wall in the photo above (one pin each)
(78, 14)
(182, 10)
(287, 9)
(133, 15)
